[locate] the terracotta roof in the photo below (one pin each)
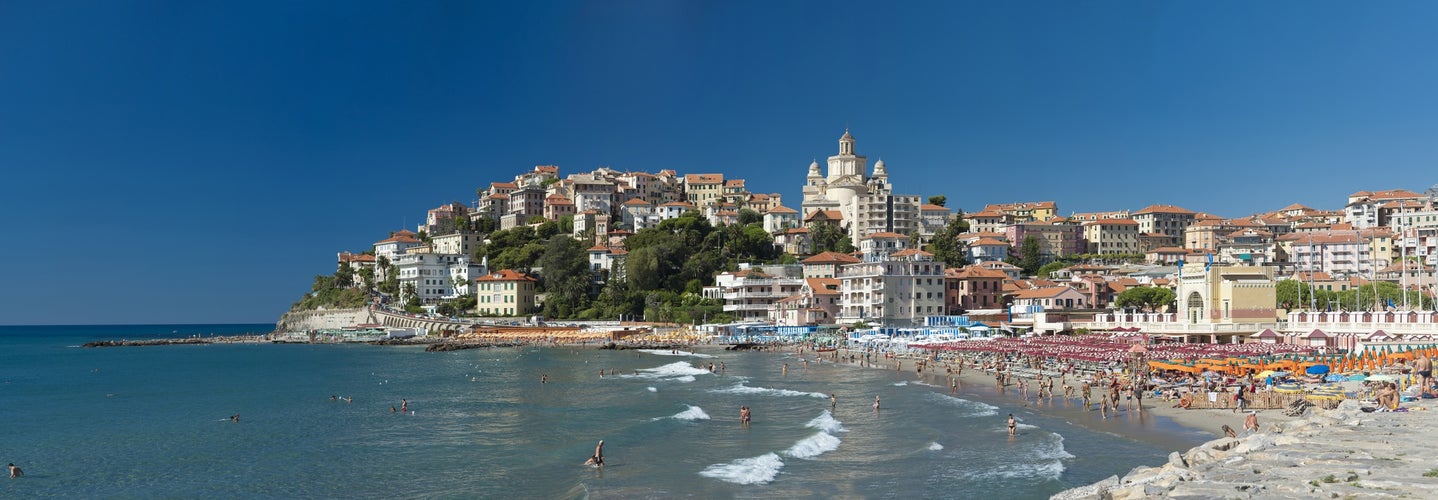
(934, 208)
(827, 214)
(1112, 222)
(637, 202)
(985, 213)
(823, 286)
(974, 272)
(796, 230)
(505, 275)
(911, 251)
(734, 182)
(684, 204)
(546, 168)
(703, 178)
(398, 238)
(1170, 250)
(830, 258)
(989, 242)
(555, 199)
(598, 248)
(351, 257)
(502, 184)
(781, 209)
(499, 196)
(1164, 209)
(883, 235)
(1043, 293)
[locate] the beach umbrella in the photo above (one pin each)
(1317, 369)
(1383, 377)
(1357, 378)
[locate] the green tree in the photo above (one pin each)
(1146, 297)
(829, 238)
(747, 217)
(946, 246)
(939, 200)
(345, 276)
(1047, 270)
(566, 276)
(1030, 256)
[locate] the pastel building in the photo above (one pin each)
(505, 293)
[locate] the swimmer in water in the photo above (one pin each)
(15, 471)
(404, 405)
(876, 404)
(235, 418)
(544, 378)
(597, 459)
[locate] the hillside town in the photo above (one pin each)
(701, 248)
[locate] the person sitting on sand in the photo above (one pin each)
(1250, 423)
(1228, 431)
(597, 459)
(1388, 397)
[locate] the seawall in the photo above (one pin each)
(299, 321)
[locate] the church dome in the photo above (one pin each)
(814, 168)
(847, 136)
(880, 169)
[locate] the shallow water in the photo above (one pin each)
(153, 421)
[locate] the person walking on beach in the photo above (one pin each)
(1012, 425)
(1424, 366)
(1087, 396)
(15, 471)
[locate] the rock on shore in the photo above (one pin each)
(1340, 453)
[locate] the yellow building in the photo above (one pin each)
(1226, 294)
(505, 293)
(704, 189)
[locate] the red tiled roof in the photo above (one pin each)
(505, 275)
(883, 235)
(781, 209)
(1164, 209)
(830, 258)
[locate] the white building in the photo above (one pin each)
(463, 243)
(866, 201)
(396, 245)
(749, 293)
(437, 276)
(893, 285)
(780, 218)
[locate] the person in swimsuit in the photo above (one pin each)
(876, 404)
(1013, 425)
(404, 405)
(833, 402)
(15, 471)
(597, 459)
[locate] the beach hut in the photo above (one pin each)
(1315, 338)
(1375, 336)
(1267, 336)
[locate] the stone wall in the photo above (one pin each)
(299, 321)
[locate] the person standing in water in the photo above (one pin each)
(1012, 425)
(833, 401)
(15, 471)
(876, 404)
(403, 405)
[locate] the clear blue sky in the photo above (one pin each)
(201, 161)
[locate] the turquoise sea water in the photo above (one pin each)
(146, 422)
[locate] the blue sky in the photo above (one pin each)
(180, 162)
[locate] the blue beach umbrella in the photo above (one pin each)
(1317, 369)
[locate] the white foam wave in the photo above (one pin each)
(1052, 469)
(813, 446)
(663, 352)
(901, 383)
(970, 408)
(690, 413)
(744, 389)
(651, 389)
(826, 422)
(935, 446)
(672, 371)
(757, 470)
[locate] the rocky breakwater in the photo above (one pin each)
(1339, 453)
(232, 339)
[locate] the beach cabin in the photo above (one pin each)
(1267, 336)
(1315, 338)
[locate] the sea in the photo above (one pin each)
(323, 421)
